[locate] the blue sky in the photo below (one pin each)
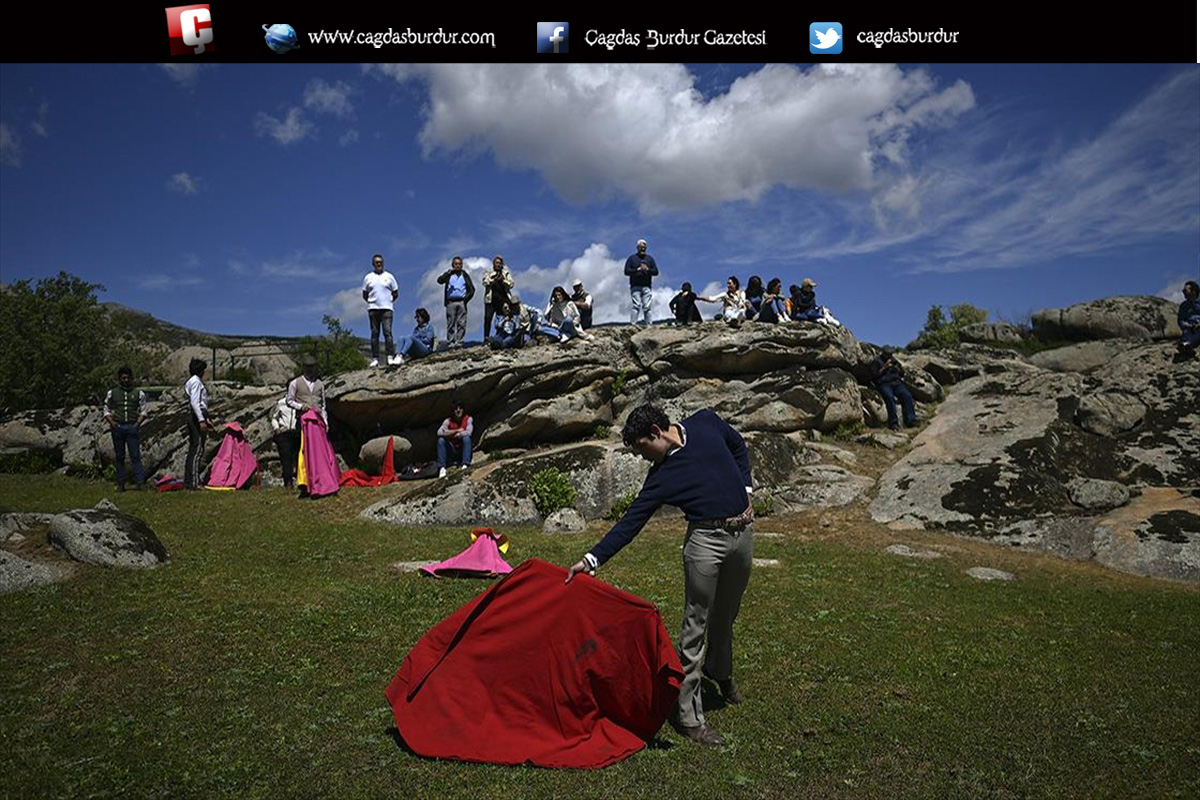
(249, 198)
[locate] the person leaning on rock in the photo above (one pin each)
(889, 379)
(1189, 319)
(125, 411)
(286, 434)
(701, 466)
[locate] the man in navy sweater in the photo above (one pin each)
(702, 467)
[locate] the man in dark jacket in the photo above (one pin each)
(702, 467)
(1189, 319)
(889, 378)
(125, 411)
(640, 268)
(459, 291)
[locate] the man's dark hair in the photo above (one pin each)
(124, 371)
(378, 256)
(196, 366)
(793, 289)
(1195, 287)
(422, 315)
(687, 287)
(640, 420)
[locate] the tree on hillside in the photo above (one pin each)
(53, 340)
(939, 332)
(336, 351)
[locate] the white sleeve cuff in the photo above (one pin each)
(749, 490)
(592, 563)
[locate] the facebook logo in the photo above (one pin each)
(553, 37)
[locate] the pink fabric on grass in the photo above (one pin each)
(481, 560)
(234, 464)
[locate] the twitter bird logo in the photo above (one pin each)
(825, 38)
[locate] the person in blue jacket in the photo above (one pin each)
(889, 379)
(420, 344)
(459, 291)
(1189, 319)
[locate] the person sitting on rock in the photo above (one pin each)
(683, 305)
(804, 306)
(506, 336)
(754, 296)
(733, 302)
(1189, 319)
(528, 317)
(420, 344)
(889, 379)
(454, 437)
(773, 307)
(561, 321)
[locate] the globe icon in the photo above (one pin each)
(281, 38)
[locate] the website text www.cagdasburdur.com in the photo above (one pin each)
(378, 39)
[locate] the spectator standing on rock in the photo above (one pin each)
(497, 283)
(1189, 319)
(198, 424)
(307, 390)
(640, 268)
(125, 411)
(285, 431)
(702, 467)
(889, 378)
(583, 302)
(454, 436)
(380, 292)
(459, 291)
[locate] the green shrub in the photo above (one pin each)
(551, 491)
(92, 472)
(618, 384)
(29, 462)
(620, 507)
(763, 503)
(847, 431)
(242, 375)
(602, 431)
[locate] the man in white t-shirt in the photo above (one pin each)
(380, 290)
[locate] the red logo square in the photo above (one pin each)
(190, 30)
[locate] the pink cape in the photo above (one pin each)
(535, 672)
(481, 560)
(356, 477)
(234, 464)
(320, 464)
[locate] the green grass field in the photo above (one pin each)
(254, 665)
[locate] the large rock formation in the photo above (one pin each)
(106, 538)
(1109, 318)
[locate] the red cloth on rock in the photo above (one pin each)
(535, 672)
(357, 477)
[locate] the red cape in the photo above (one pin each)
(357, 477)
(535, 672)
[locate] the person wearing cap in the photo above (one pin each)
(889, 379)
(454, 436)
(640, 268)
(702, 467)
(380, 291)
(583, 302)
(306, 390)
(804, 306)
(528, 318)
(496, 285)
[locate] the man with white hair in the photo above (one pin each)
(640, 268)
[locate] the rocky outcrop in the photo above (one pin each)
(18, 574)
(106, 538)
(984, 332)
(1028, 458)
(1109, 318)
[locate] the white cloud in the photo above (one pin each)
(1173, 289)
(289, 130)
(10, 147)
(38, 126)
(646, 132)
(164, 281)
(349, 137)
(183, 73)
(183, 183)
(329, 98)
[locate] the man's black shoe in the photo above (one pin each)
(701, 734)
(729, 689)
